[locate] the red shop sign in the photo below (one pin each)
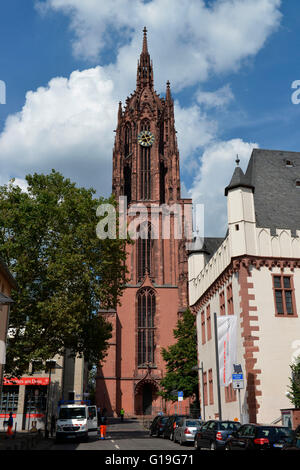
(27, 381)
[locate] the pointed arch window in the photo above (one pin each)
(144, 251)
(146, 302)
(145, 173)
(127, 163)
(127, 140)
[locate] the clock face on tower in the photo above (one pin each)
(145, 138)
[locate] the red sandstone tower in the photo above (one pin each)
(146, 171)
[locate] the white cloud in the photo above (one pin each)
(195, 130)
(214, 174)
(68, 126)
(188, 39)
(22, 183)
(215, 99)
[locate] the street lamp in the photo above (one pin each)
(202, 374)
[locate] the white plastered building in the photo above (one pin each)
(253, 274)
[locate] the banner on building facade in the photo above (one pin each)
(226, 334)
(26, 381)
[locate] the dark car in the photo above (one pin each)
(214, 433)
(259, 437)
(157, 425)
(294, 442)
(173, 421)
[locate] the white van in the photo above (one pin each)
(76, 421)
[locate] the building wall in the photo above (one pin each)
(7, 283)
(207, 353)
(278, 344)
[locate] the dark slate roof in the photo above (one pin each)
(238, 180)
(4, 300)
(208, 245)
(4, 269)
(274, 174)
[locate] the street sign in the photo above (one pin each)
(237, 376)
(180, 396)
(237, 381)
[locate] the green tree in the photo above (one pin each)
(63, 271)
(181, 360)
(295, 383)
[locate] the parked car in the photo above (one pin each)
(214, 433)
(186, 430)
(168, 432)
(157, 425)
(254, 437)
(294, 443)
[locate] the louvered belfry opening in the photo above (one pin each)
(145, 163)
(144, 252)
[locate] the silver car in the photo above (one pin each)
(186, 430)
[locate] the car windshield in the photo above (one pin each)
(72, 413)
(164, 420)
(228, 426)
(193, 423)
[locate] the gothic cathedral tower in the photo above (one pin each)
(146, 171)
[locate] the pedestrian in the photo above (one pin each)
(10, 424)
(122, 413)
(103, 424)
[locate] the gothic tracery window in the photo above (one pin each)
(127, 146)
(146, 329)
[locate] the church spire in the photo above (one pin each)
(145, 45)
(168, 92)
(144, 68)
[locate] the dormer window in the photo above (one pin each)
(289, 163)
(298, 184)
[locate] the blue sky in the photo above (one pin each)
(67, 63)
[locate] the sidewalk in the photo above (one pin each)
(25, 441)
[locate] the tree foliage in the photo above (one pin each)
(63, 271)
(181, 358)
(295, 383)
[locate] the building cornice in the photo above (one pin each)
(235, 265)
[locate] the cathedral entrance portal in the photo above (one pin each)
(147, 399)
(145, 395)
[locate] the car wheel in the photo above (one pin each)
(171, 437)
(227, 447)
(213, 446)
(196, 446)
(181, 442)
